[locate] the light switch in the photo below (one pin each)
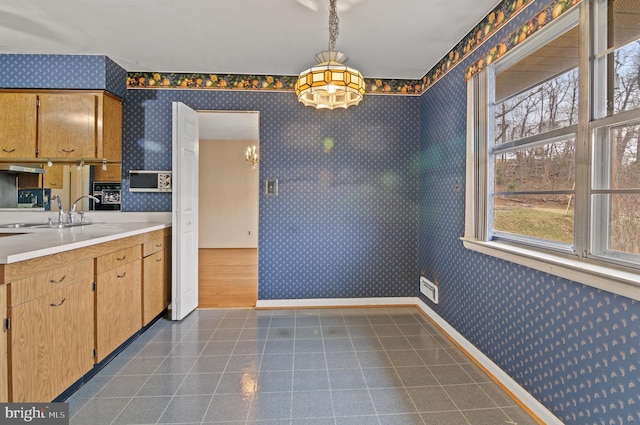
(271, 187)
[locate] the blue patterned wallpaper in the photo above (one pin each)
(575, 348)
(344, 223)
(367, 200)
(115, 78)
(62, 72)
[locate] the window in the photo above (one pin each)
(553, 137)
(615, 183)
(535, 116)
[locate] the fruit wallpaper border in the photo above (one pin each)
(495, 20)
(552, 11)
(251, 82)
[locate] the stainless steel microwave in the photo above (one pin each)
(149, 181)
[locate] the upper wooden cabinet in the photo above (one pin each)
(18, 116)
(53, 177)
(61, 125)
(113, 173)
(67, 125)
(109, 128)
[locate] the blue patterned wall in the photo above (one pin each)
(62, 72)
(344, 223)
(360, 217)
(115, 78)
(575, 348)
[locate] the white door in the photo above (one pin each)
(184, 213)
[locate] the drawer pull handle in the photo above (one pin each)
(59, 304)
(67, 150)
(8, 150)
(58, 281)
(121, 258)
(158, 260)
(158, 245)
(120, 276)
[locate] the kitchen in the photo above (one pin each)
(368, 200)
(67, 250)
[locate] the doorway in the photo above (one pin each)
(228, 210)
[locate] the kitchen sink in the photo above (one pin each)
(60, 225)
(20, 225)
(42, 225)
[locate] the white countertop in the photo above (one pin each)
(27, 243)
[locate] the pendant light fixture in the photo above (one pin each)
(330, 84)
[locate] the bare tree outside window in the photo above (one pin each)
(553, 173)
(534, 181)
(624, 144)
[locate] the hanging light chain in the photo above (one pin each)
(334, 22)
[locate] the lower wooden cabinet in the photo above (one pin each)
(51, 342)
(156, 275)
(118, 300)
(63, 313)
(4, 362)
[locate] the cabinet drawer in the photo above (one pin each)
(26, 289)
(121, 273)
(117, 259)
(153, 246)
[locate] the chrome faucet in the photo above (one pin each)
(60, 209)
(73, 207)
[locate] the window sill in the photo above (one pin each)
(608, 279)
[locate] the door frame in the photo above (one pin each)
(234, 125)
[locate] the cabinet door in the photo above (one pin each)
(67, 125)
(110, 129)
(4, 383)
(53, 177)
(118, 307)
(18, 125)
(51, 342)
(113, 173)
(154, 293)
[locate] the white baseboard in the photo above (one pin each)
(336, 302)
(501, 376)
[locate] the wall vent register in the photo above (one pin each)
(429, 289)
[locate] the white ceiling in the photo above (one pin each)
(399, 39)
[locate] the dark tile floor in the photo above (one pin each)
(366, 366)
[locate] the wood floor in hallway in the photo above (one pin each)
(227, 277)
